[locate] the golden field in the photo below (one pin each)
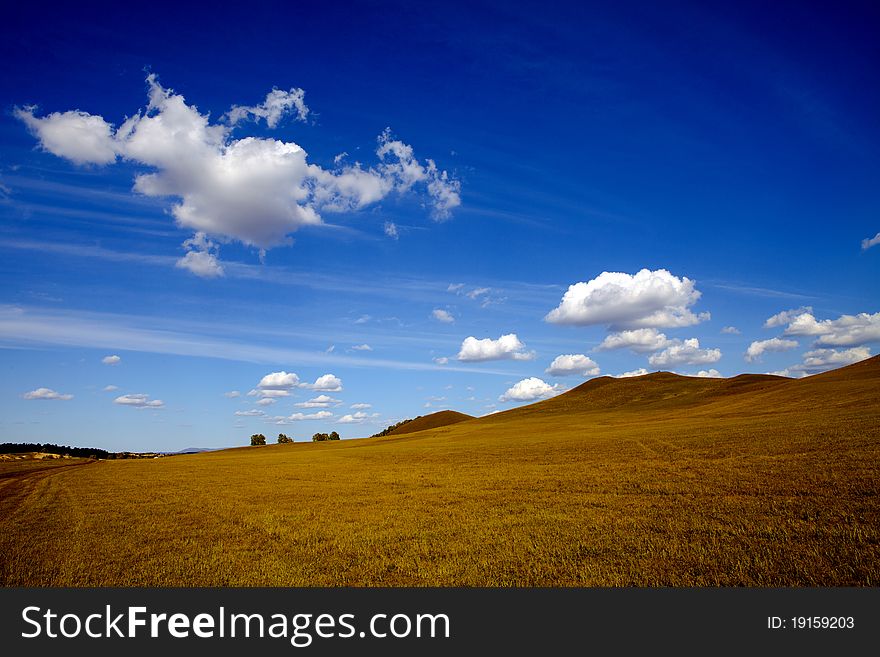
(658, 480)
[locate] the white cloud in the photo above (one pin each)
(820, 360)
(442, 316)
(730, 330)
(361, 407)
(362, 347)
(441, 360)
(685, 353)
(325, 383)
(868, 242)
(139, 401)
(111, 360)
(321, 401)
(391, 230)
(46, 393)
(759, 347)
(845, 331)
(279, 381)
(254, 190)
(232, 394)
(201, 257)
(455, 287)
(478, 292)
(268, 393)
(77, 136)
(266, 401)
(109, 388)
(711, 373)
(639, 340)
(786, 316)
(530, 389)
(506, 347)
(320, 415)
(354, 418)
(277, 105)
(647, 299)
(626, 375)
(569, 364)
(250, 413)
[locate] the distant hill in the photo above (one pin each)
(432, 421)
(662, 393)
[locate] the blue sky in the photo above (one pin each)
(467, 206)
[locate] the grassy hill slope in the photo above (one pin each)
(432, 421)
(656, 480)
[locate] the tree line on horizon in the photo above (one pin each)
(283, 439)
(391, 428)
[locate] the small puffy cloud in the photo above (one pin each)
(139, 401)
(730, 330)
(320, 415)
(325, 383)
(687, 352)
(845, 331)
(361, 407)
(362, 347)
(254, 190)
(506, 347)
(232, 394)
(250, 413)
(868, 242)
(268, 393)
(820, 360)
(573, 364)
(321, 401)
(478, 292)
(626, 375)
(201, 257)
(530, 389)
(279, 381)
(46, 393)
(266, 401)
(441, 360)
(639, 340)
(442, 316)
(759, 347)
(76, 136)
(455, 287)
(353, 418)
(363, 319)
(109, 388)
(111, 360)
(786, 316)
(391, 230)
(647, 299)
(711, 373)
(277, 105)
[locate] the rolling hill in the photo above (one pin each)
(660, 480)
(432, 421)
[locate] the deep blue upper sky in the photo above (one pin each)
(733, 145)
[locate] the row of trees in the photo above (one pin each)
(388, 430)
(260, 439)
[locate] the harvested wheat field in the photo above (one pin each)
(659, 480)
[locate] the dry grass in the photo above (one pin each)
(657, 481)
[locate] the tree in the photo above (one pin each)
(283, 440)
(320, 437)
(258, 439)
(333, 436)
